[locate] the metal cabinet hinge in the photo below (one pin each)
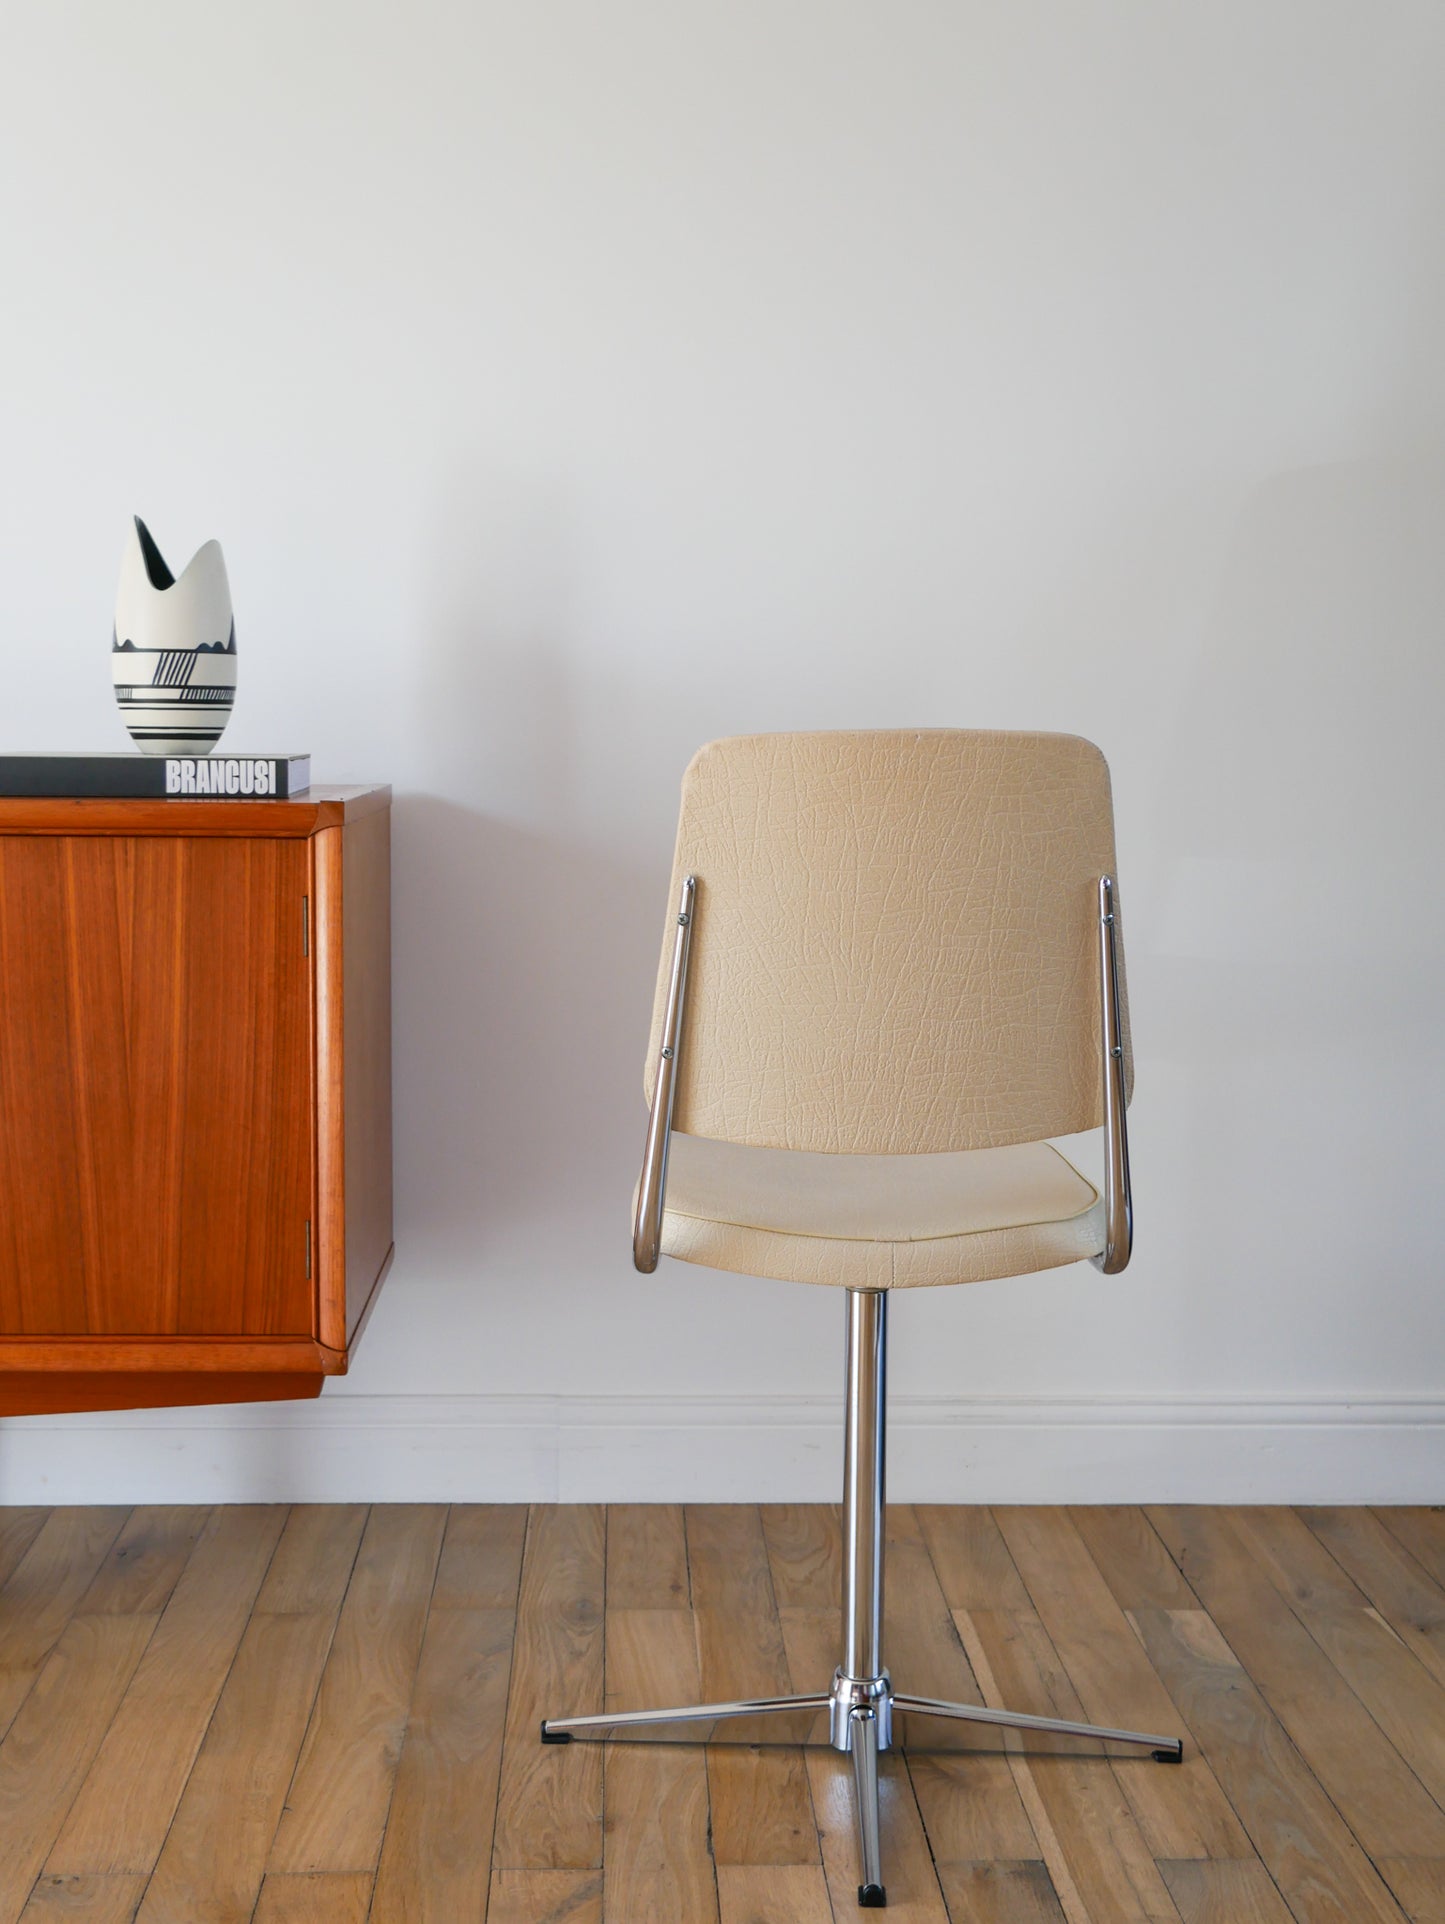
(306, 925)
(308, 1249)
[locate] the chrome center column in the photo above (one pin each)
(861, 1682)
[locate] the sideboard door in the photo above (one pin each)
(156, 1086)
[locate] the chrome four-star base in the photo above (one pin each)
(862, 1700)
(860, 1721)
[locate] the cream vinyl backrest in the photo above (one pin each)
(895, 943)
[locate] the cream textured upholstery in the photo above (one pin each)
(895, 947)
(878, 1222)
(892, 1002)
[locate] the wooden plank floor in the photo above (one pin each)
(329, 1715)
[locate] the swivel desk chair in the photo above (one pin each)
(894, 970)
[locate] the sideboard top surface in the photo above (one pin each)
(318, 807)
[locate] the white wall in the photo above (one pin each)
(570, 384)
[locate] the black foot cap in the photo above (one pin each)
(555, 1736)
(872, 1897)
(1172, 1756)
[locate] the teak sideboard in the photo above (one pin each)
(195, 1096)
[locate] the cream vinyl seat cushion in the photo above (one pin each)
(878, 1222)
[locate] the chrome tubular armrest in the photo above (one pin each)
(647, 1225)
(1118, 1203)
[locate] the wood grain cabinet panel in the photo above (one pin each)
(195, 1096)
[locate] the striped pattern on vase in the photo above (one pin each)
(173, 648)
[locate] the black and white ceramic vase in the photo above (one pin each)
(173, 650)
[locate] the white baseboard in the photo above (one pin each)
(730, 1449)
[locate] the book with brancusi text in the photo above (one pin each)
(255, 778)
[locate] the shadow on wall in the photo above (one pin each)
(521, 1013)
(1307, 780)
(524, 945)
(1298, 932)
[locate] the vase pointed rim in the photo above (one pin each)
(157, 572)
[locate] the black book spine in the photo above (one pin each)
(259, 778)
